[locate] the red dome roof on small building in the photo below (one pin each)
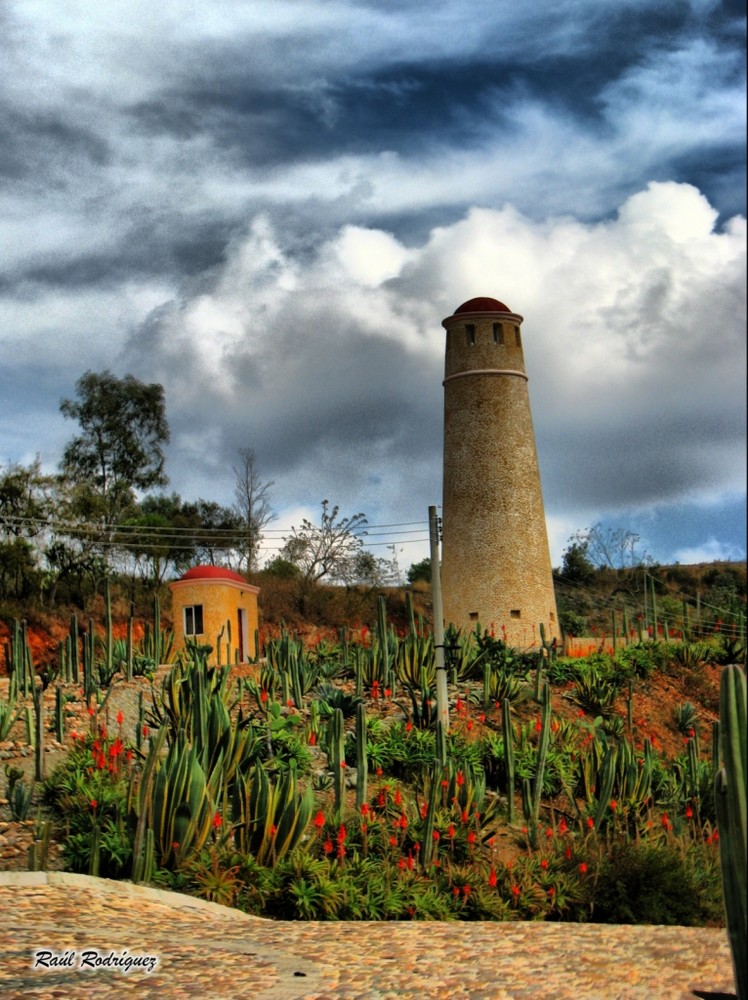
(212, 573)
(482, 304)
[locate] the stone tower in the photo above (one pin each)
(496, 566)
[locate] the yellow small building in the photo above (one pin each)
(213, 606)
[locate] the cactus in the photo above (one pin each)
(336, 759)
(427, 837)
(506, 724)
(607, 780)
(362, 763)
(74, 648)
(128, 654)
(531, 794)
(731, 794)
(39, 732)
(142, 862)
(59, 715)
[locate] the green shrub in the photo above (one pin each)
(651, 884)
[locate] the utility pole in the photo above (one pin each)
(442, 695)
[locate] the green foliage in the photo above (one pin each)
(686, 718)
(331, 697)
(420, 571)
(120, 448)
(595, 695)
(642, 883)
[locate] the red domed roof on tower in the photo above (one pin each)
(482, 304)
(212, 573)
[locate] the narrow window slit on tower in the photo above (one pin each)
(473, 616)
(517, 339)
(515, 613)
(470, 330)
(498, 333)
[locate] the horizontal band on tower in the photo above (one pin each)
(486, 371)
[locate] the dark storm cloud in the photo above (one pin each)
(270, 206)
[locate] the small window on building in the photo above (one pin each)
(517, 338)
(498, 333)
(193, 620)
(470, 331)
(553, 617)
(516, 613)
(473, 616)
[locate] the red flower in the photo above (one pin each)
(217, 821)
(398, 799)
(613, 805)
(583, 867)
(515, 891)
(562, 827)
(471, 837)
(327, 846)
(590, 822)
(544, 864)
(689, 812)
(120, 718)
(319, 819)
(460, 779)
(365, 810)
(492, 878)
(145, 731)
(567, 853)
(451, 831)
(94, 804)
(312, 739)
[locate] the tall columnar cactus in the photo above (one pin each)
(74, 648)
(362, 761)
(531, 795)
(336, 759)
(731, 795)
(39, 770)
(59, 715)
(383, 640)
(506, 725)
(109, 639)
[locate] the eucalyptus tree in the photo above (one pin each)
(120, 447)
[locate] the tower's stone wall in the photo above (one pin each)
(496, 567)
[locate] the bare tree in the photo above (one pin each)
(611, 547)
(252, 505)
(328, 549)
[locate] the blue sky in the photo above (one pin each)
(270, 206)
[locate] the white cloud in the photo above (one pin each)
(710, 551)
